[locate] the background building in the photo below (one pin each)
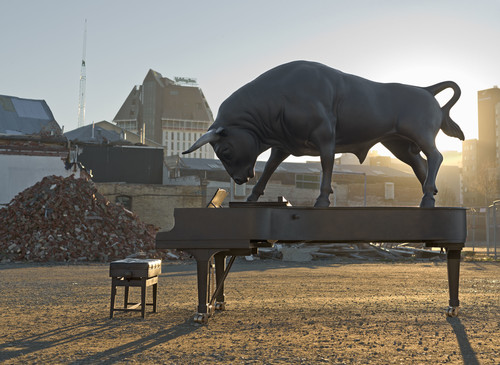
(488, 102)
(353, 185)
(471, 191)
(481, 157)
(172, 113)
(31, 145)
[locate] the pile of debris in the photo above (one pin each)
(358, 251)
(364, 251)
(68, 220)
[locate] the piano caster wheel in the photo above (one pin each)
(201, 318)
(211, 310)
(452, 311)
(220, 306)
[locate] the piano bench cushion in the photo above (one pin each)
(135, 268)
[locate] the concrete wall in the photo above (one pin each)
(154, 204)
(19, 172)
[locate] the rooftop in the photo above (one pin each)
(26, 117)
(201, 164)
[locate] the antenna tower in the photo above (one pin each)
(83, 81)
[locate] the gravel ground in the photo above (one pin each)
(277, 313)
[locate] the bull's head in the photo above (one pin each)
(236, 148)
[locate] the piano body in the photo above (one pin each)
(243, 228)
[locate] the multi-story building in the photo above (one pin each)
(172, 113)
(471, 196)
(481, 157)
(488, 102)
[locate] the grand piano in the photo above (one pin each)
(212, 235)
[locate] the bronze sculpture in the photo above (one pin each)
(306, 108)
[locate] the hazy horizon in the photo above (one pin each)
(226, 44)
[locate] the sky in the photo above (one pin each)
(225, 44)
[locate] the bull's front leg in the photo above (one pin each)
(324, 139)
(276, 158)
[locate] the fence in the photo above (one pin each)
(492, 228)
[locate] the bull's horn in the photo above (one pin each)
(211, 136)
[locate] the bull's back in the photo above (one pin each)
(385, 108)
(292, 86)
(360, 110)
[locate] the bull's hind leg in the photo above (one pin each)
(408, 152)
(434, 159)
(323, 200)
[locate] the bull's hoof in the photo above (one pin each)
(427, 202)
(253, 197)
(322, 203)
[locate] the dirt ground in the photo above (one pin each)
(277, 313)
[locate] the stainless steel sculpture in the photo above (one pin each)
(306, 108)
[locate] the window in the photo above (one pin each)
(240, 190)
(307, 181)
(389, 191)
(125, 201)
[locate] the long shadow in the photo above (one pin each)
(26, 265)
(124, 351)
(468, 354)
(240, 265)
(65, 335)
(42, 341)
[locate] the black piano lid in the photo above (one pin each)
(240, 227)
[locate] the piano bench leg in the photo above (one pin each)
(143, 284)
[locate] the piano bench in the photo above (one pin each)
(134, 272)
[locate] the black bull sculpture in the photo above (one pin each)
(306, 108)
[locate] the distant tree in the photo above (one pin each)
(446, 197)
(485, 183)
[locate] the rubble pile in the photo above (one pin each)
(358, 251)
(67, 219)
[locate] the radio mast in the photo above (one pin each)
(83, 81)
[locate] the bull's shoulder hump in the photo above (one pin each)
(292, 69)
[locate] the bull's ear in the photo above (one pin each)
(221, 131)
(210, 136)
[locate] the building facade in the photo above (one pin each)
(488, 102)
(481, 157)
(172, 113)
(471, 195)
(353, 185)
(31, 146)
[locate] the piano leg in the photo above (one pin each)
(453, 264)
(203, 257)
(220, 268)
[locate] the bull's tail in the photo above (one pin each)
(448, 126)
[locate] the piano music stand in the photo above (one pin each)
(217, 199)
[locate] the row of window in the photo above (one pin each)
(314, 182)
(129, 125)
(186, 124)
(169, 136)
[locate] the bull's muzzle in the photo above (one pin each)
(240, 180)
